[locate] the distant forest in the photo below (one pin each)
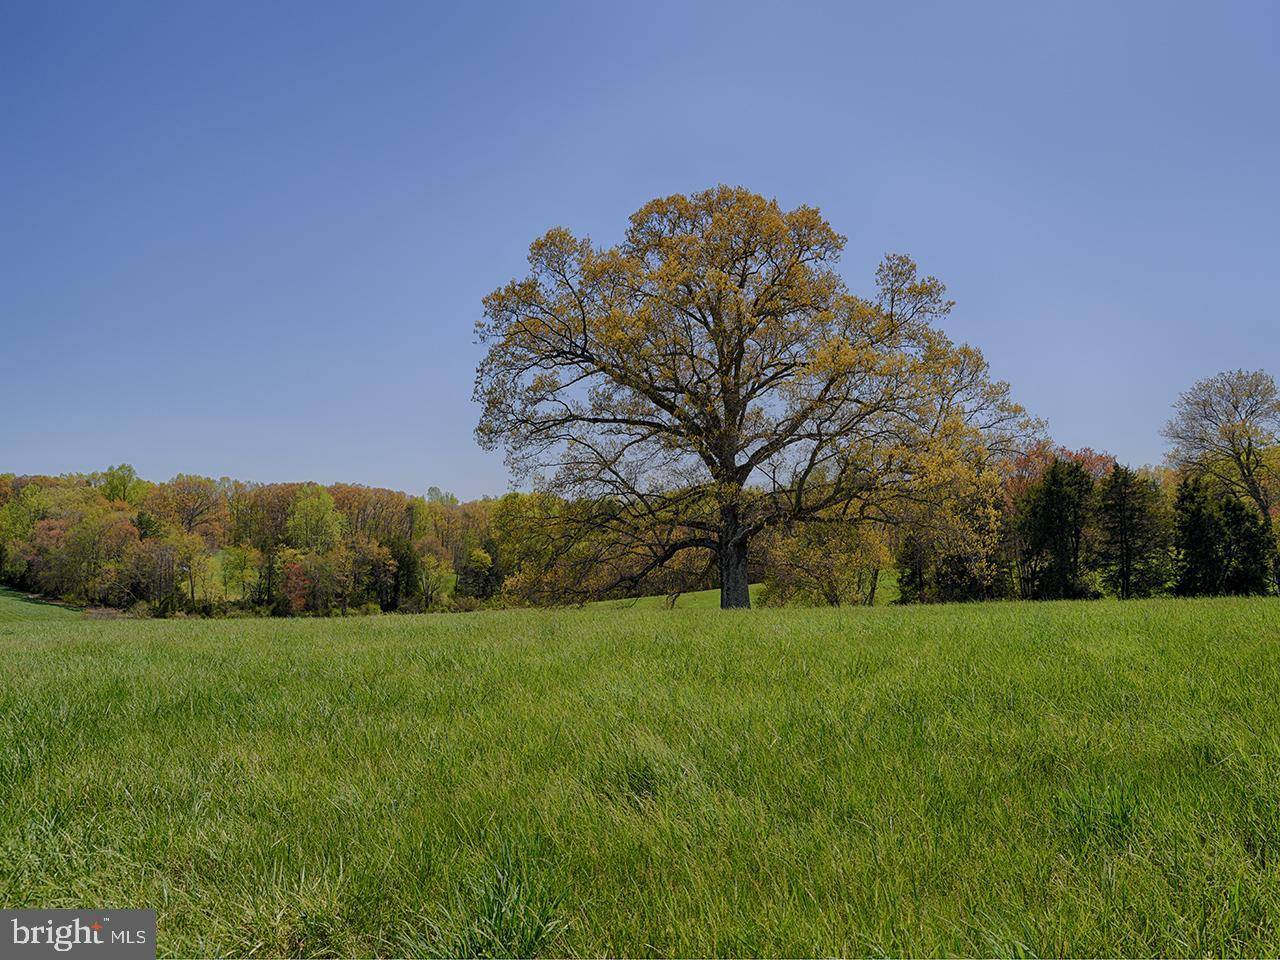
(1043, 522)
(196, 545)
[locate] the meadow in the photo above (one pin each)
(693, 600)
(1012, 779)
(886, 593)
(18, 607)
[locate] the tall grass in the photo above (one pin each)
(1089, 778)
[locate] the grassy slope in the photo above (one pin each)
(15, 607)
(886, 593)
(1089, 778)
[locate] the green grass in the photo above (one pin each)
(887, 588)
(694, 600)
(1085, 779)
(886, 593)
(15, 607)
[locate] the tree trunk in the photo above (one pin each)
(734, 592)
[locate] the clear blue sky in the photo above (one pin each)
(251, 239)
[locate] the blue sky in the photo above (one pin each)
(251, 239)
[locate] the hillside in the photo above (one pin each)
(17, 607)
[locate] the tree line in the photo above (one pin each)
(719, 405)
(1076, 525)
(197, 545)
(1038, 522)
(704, 404)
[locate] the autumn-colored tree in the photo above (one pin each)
(374, 568)
(467, 527)
(375, 512)
(711, 378)
(192, 504)
(110, 537)
(295, 585)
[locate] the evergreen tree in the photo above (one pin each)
(1055, 515)
(1198, 540)
(1223, 545)
(1134, 541)
(914, 568)
(1246, 550)
(406, 594)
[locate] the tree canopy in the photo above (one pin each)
(1225, 426)
(711, 377)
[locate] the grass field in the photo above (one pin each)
(18, 607)
(1088, 778)
(694, 600)
(886, 593)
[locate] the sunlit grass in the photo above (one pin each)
(693, 600)
(18, 607)
(1087, 779)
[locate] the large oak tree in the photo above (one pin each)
(711, 376)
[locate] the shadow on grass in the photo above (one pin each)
(14, 596)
